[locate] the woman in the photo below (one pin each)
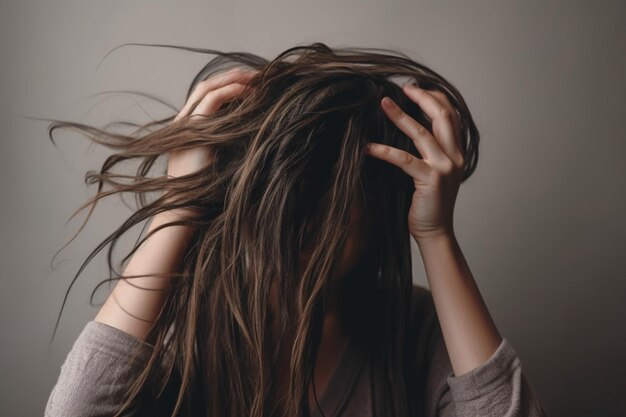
(275, 278)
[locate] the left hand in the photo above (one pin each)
(437, 177)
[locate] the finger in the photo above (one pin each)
(456, 151)
(425, 143)
(202, 88)
(445, 101)
(218, 81)
(442, 116)
(214, 82)
(416, 168)
(214, 99)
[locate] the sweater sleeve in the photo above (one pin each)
(97, 372)
(496, 388)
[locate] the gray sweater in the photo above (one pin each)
(94, 376)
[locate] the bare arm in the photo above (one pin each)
(486, 377)
(95, 375)
(133, 308)
(469, 332)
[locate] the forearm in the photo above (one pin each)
(133, 308)
(469, 332)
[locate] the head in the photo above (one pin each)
(354, 244)
(290, 202)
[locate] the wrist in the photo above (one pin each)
(438, 247)
(434, 236)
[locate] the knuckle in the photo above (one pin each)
(211, 96)
(398, 113)
(458, 159)
(228, 89)
(421, 130)
(406, 158)
(200, 110)
(205, 105)
(439, 95)
(447, 166)
(444, 113)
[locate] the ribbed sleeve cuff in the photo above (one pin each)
(497, 370)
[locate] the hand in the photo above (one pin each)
(206, 98)
(437, 176)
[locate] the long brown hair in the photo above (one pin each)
(287, 155)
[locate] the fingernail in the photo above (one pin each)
(387, 102)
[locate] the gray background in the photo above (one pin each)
(541, 222)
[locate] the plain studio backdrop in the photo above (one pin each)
(541, 222)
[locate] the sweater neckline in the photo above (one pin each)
(341, 381)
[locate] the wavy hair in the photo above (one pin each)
(288, 161)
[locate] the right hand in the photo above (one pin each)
(212, 93)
